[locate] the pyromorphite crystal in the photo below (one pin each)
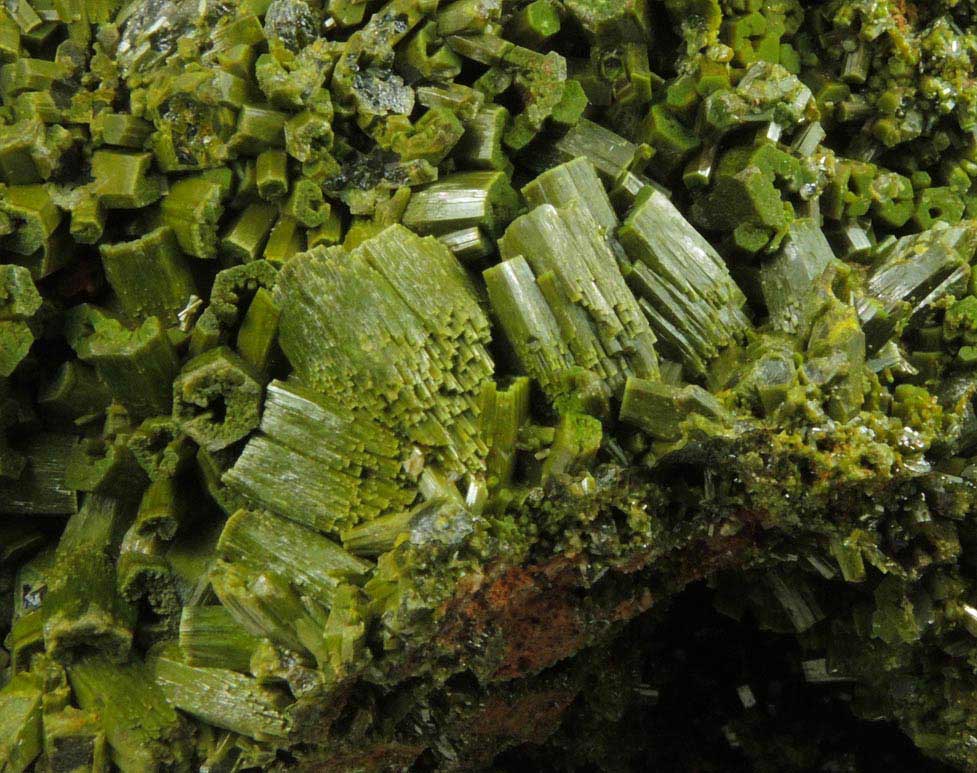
(224, 698)
(134, 364)
(210, 637)
(217, 398)
(82, 608)
(20, 721)
(365, 368)
(192, 208)
(19, 298)
(143, 731)
(346, 465)
(149, 275)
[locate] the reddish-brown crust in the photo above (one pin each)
(527, 618)
(514, 622)
(529, 718)
(630, 608)
(905, 14)
(531, 613)
(380, 758)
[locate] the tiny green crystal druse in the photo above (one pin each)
(366, 367)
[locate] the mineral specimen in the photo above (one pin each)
(373, 376)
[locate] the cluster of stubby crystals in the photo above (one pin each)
(364, 368)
